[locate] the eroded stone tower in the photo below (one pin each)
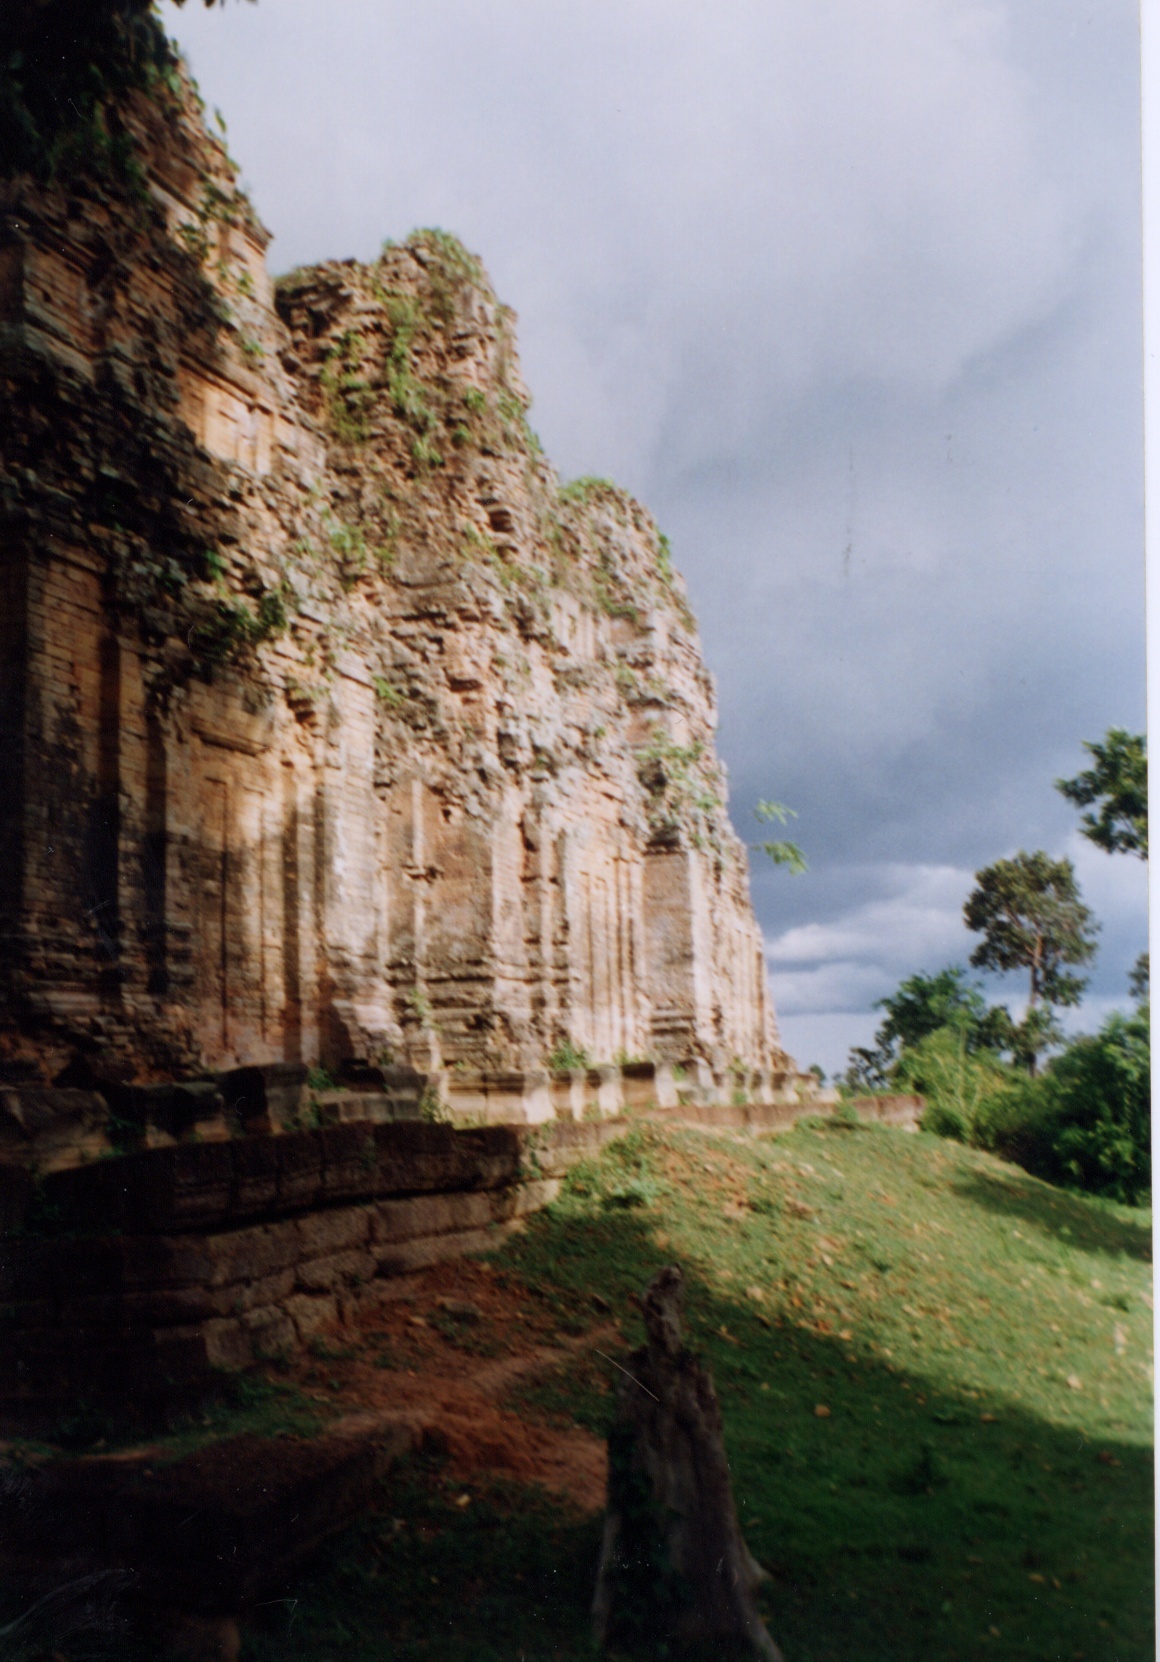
(332, 726)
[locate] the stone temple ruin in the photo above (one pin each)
(355, 771)
(336, 731)
(364, 845)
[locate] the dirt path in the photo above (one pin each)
(440, 1356)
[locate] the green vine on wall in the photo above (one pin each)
(65, 65)
(681, 796)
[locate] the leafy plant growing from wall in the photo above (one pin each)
(780, 850)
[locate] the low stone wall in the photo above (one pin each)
(903, 1112)
(47, 1128)
(900, 1110)
(136, 1279)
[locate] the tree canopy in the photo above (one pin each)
(923, 1003)
(947, 1002)
(1030, 915)
(1117, 788)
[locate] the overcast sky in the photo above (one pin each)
(849, 295)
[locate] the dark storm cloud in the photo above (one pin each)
(849, 295)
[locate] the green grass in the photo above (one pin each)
(264, 1407)
(961, 1498)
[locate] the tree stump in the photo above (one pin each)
(673, 1565)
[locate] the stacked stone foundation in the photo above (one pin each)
(140, 1280)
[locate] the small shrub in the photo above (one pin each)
(1086, 1122)
(954, 1080)
(419, 1005)
(432, 1109)
(233, 628)
(391, 696)
(585, 489)
(348, 392)
(567, 1056)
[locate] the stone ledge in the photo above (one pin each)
(904, 1111)
(146, 1317)
(195, 1187)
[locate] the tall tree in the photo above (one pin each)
(1117, 787)
(1030, 915)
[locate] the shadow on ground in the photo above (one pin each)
(901, 1524)
(900, 1519)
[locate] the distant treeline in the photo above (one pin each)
(1079, 1113)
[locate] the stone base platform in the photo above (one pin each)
(138, 1280)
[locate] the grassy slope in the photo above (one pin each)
(981, 1483)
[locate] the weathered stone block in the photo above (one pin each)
(299, 1171)
(405, 1256)
(899, 1109)
(268, 1096)
(639, 1086)
(220, 1260)
(337, 1229)
(271, 1331)
(350, 1166)
(258, 1293)
(530, 1197)
(340, 1269)
(414, 1157)
(388, 1092)
(400, 1220)
(604, 1090)
(178, 1110)
(183, 1187)
(550, 1151)
(257, 1175)
(228, 1343)
(567, 1089)
(49, 1129)
(311, 1313)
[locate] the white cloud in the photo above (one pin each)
(825, 977)
(917, 923)
(837, 987)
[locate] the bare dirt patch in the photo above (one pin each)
(439, 1353)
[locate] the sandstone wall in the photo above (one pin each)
(333, 726)
(179, 1262)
